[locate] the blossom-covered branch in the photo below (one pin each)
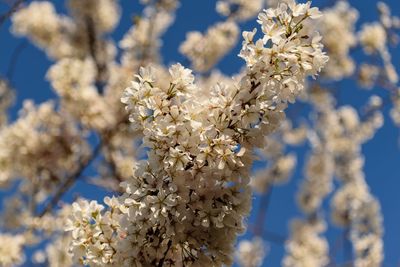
(186, 151)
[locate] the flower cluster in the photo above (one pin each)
(11, 253)
(306, 247)
(251, 253)
(55, 253)
(143, 40)
(41, 23)
(336, 141)
(286, 53)
(186, 203)
(62, 36)
(74, 81)
(165, 5)
(353, 205)
(368, 75)
(204, 51)
(94, 232)
(239, 9)
(183, 150)
(375, 38)
(53, 148)
(338, 28)
(280, 165)
(104, 14)
(318, 182)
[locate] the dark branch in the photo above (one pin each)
(161, 262)
(274, 237)
(69, 182)
(113, 168)
(263, 208)
(93, 44)
(14, 59)
(11, 11)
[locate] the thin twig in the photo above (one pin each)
(14, 59)
(113, 168)
(69, 182)
(161, 262)
(274, 237)
(262, 211)
(347, 249)
(11, 11)
(32, 201)
(335, 249)
(93, 49)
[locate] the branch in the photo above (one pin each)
(11, 11)
(92, 43)
(258, 229)
(113, 168)
(14, 59)
(67, 184)
(347, 249)
(335, 249)
(107, 136)
(32, 201)
(161, 262)
(262, 211)
(274, 237)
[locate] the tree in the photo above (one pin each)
(175, 145)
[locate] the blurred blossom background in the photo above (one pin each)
(26, 66)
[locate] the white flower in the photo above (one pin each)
(299, 9)
(146, 75)
(177, 159)
(249, 36)
(273, 32)
(182, 78)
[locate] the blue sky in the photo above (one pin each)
(382, 154)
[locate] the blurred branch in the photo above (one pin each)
(14, 59)
(113, 167)
(347, 249)
(146, 52)
(69, 182)
(32, 201)
(11, 11)
(93, 49)
(262, 211)
(335, 249)
(274, 237)
(329, 3)
(258, 228)
(161, 262)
